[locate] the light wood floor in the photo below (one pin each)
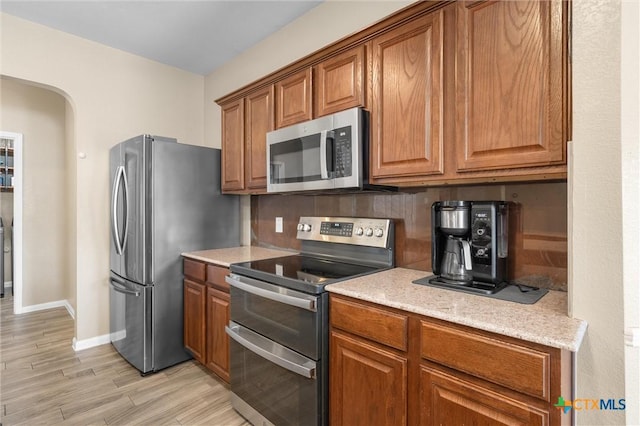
(44, 381)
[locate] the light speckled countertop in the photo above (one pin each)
(545, 322)
(227, 256)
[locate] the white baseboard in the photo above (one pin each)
(8, 284)
(49, 305)
(79, 345)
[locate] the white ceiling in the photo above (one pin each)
(196, 36)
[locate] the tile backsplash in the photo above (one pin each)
(538, 223)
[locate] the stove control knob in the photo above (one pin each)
(359, 231)
(300, 227)
(306, 227)
(369, 232)
(379, 232)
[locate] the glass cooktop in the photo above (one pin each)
(305, 273)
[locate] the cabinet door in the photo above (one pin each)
(258, 121)
(407, 99)
(233, 146)
(194, 326)
(293, 99)
(339, 82)
(217, 358)
(447, 399)
(368, 385)
(510, 84)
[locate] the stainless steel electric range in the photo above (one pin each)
(279, 324)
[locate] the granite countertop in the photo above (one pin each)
(227, 256)
(545, 322)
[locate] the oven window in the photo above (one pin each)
(295, 160)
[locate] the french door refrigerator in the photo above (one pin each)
(165, 200)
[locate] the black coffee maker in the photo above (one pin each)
(469, 248)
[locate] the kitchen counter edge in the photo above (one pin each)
(545, 322)
(226, 256)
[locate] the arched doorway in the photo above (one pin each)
(43, 247)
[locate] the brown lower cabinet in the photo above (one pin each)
(217, 341)
(206, 312)
(391, 367)
(361, 373)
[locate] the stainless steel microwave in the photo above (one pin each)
(329, 152)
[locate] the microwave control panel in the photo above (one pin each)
(342, 152)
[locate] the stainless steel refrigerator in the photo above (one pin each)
(165, 200)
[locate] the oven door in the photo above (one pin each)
(291, 318)
(271, 381)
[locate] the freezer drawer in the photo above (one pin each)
(130, 322)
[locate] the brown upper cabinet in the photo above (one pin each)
(339, 82)
(259, 120)
(510, 84)
(245, 123)
(233, 146)
(407, 101)
(458, 92)
(294, 99)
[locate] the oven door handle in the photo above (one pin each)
(285, 358)
(302, 301)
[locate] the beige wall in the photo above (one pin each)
(596, 202)
(113, 95)
(630, 149)
(40, 116)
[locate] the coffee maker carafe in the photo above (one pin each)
(470, 244)
(456, 260)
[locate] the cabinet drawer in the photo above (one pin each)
(215, 276)
(387, 328)
(516, 367)
(194, 269)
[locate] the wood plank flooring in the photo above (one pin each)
(44, 381)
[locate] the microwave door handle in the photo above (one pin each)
(324, 170)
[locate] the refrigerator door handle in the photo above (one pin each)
(122, 289)
(126, 209)
(114, 205)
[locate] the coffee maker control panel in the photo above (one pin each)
(481, 235)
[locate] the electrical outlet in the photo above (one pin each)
(278, 224)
